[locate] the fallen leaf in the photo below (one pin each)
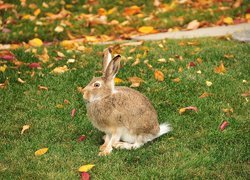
(128, 11)
(237, 3)
(4, 85)
(86, 168)
(146, 29)
(25, 127)
(44, 57)
(159, 76)
(67, 44)
(193, 25)
(85, 176)
(34, 65)
(228, 56)
(228, 20)
(176, 80)
(7, 55)
(43, 88)
(118, 81)
(60, 54)
(191, 64)
(198, 72)
(199, 60)
(36, 42)
(59, 29)
(228, 111)
(204, 95)
(182, 110)
(59, 106)
(41, 151)
(73, 112)
(66, 101)
(220, 69)
(71, 61)
(223, 125)
(20, 80)
(37, 12)
(209, 83)
(60, 70)
(6, 6)
(81, 138)
(246, 94)
(136, 81)
(162, 60)
(3, 68)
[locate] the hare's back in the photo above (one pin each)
(136, 110)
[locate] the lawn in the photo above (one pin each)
(196, 148)
(56, 20)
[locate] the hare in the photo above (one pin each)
(126, 116)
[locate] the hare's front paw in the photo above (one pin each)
(102, 147)
(105, 152)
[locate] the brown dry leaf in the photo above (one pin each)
(60, 70)
(4, 85)
(204, 95)
(220, 69)
(44, 57)
(62, 14)
(137, 61)
(128, 11)
(6, 6)
(25, 127)
(193, 25)
(60, 54)
(246, 94)
(41, 151)
(159, 76)
(228, 56)
(182, 110)
(199, 60)
(136, 81)
(228, 111)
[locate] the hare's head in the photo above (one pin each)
(100, 87)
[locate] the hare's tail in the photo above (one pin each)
(164, 128)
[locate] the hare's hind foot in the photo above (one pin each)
(125, 145)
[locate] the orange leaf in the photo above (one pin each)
(159, 76)
(205, 94)
(182, 110)
(220, 69)
(176, 80)
(132, 10)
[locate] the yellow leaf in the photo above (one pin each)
(209, 83)
(182, 110)
(86, 168)
(25, 127)
(248, 16)
(67, 44)
(91, 38)
(220, 69)
(159, 76)
(41, 151)
(205, 94)
(118, 81)
(36, 42)
(59, 106)
(146, 29)
(3, 68)
(228, 20)
(60, 70)
(111, 11)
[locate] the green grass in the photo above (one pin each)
(196, 148)
(22, 30)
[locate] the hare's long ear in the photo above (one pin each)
(113, 68)
(107, 57)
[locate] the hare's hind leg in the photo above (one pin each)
(106, 148)
(106, 139)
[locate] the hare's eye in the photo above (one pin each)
(97, 84)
